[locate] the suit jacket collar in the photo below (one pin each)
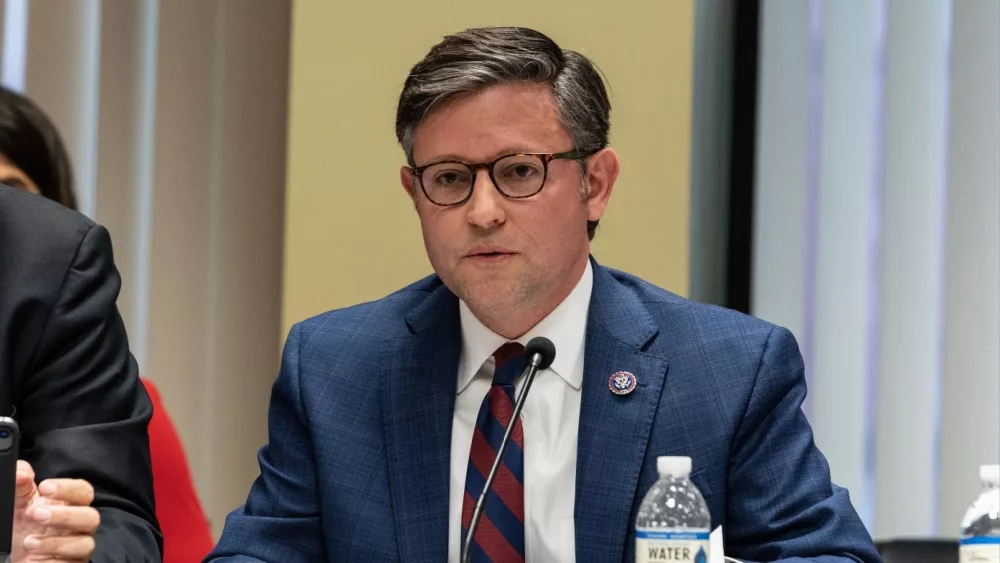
(614, 429)
(418, 401)
(618, 312)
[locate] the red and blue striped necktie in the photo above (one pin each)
(500, 535)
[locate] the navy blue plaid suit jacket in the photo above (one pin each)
(358, 460)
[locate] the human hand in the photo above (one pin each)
(53, 521)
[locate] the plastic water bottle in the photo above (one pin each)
(673, 521)
(981, 526)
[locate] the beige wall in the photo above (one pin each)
(351, 232)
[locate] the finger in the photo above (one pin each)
(24, 483)
(72, 548)
(73, 519)
(72, 491)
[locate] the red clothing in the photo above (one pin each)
(186, 535)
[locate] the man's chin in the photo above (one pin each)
(490, 294)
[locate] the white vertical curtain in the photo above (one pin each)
(877, 241)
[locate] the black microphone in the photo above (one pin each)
(538, 354)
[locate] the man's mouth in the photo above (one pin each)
(491, 254)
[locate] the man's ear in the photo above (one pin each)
(602, 171)
(409, 182)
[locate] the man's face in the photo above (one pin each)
(503, 256)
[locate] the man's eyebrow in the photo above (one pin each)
(518, 149)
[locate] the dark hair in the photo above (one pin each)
(30, 141)
(476, 59)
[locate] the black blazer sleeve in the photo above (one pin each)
(81, 408)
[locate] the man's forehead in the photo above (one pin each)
(492, 122)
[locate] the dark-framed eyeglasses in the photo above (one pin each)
(515, 176)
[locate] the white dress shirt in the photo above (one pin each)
(550, 419)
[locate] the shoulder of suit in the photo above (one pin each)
(383, 318)
(28, 217)
(684, 319)
(39, 242)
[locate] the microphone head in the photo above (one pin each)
(544, 348)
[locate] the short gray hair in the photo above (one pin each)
(476, 59)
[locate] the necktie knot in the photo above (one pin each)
(507, 363)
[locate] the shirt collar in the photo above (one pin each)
(565, 326)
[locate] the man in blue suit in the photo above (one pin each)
(385, 416)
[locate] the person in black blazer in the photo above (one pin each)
(68, 379)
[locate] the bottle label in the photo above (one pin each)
(979, 549)
(655, 545)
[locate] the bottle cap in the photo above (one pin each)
(678, 466)
(990, 474)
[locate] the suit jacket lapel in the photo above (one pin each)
(418, 400)
(614, 430)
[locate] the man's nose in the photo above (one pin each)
(485, 205)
